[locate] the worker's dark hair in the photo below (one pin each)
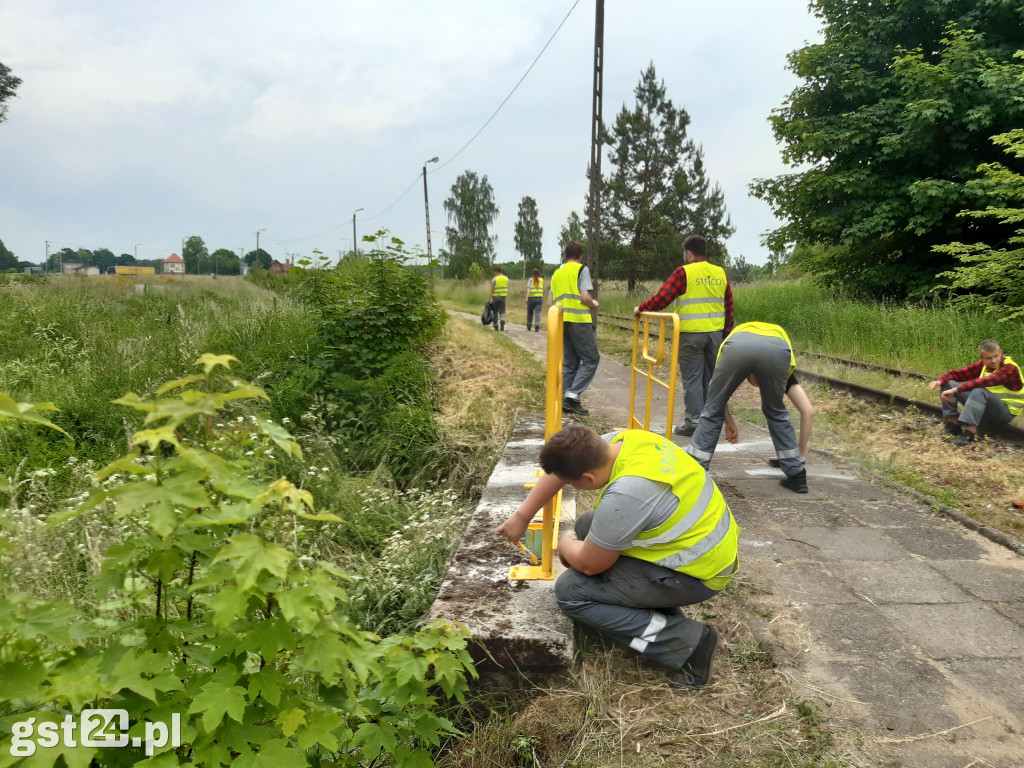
(696, 245)
(989, 345)
(498, 270)
(536, 276)
(572, 451)
(573, 250)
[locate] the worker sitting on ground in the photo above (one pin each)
(762, 350)
(660, 536)
(990, 390)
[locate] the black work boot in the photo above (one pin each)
(797, 483)
(696, 672)
(951, 431)
(967, 438)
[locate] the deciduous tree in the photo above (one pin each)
(572, 232)
(8, 86)
(528, 235)
(993, 277)
(471, 211)
(892, 120)
(7, 259)
(195, 255)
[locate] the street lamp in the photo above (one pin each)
(355, 243)
(426, 207)
(137, 252)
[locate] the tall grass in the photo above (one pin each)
(83, 342)
(924, 336)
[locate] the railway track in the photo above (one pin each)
(860, 391)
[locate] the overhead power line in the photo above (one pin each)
(514, 89)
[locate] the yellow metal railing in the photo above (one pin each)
(643, 352)
(547, 528)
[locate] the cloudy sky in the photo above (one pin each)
(139, 124)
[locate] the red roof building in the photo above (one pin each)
(174, 265)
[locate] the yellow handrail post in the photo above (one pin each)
(552, 423)
(641, 350)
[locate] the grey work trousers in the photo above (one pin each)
(697, 352)
(498, 304)
(982, 408)
(767, 357)
(579, 357)
(636, 604)
(533, 309)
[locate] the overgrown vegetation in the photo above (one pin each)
(212, 607)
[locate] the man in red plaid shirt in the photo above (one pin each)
(702, 297)
(990, 390)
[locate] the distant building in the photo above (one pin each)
(77, 268)
(33, 270)
(174, 265)
(281, 269)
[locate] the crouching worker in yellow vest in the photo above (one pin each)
(660, 536)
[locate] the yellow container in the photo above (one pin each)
(534, 538)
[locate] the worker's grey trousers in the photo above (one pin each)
(498, 305)
(697, 352)
(767, 357)
(636, 604)
(579, 357)
(981, 407)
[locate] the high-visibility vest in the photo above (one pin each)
(537, 291)
(762, 329)
(700, 537)
(702, 308)
(1013, 400)
(565, 287)
(500, 286)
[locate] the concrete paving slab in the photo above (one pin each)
(798, 583)
(898, 582)
(771, 544)
(999, 681)
(908, 696)
(892, 512)
(937, 541)
(960, 630)
(516, 626)
(812, 512)
(1013, 611)
(841, 543)
(988, 582)
(856, 631)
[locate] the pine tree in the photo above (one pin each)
(658, 191)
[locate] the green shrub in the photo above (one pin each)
(215, 609)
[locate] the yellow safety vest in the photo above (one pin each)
(701, 536)
(1013, 400)
(537, 291)
(702, 308)
(762, 329)
(565, 287)
(500, 286)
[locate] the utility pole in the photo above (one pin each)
(257, 257)
(594, 220)
(46, 264)
(426, 206)
(355, 243)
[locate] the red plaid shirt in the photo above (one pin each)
(973, 376)
(675, 287)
